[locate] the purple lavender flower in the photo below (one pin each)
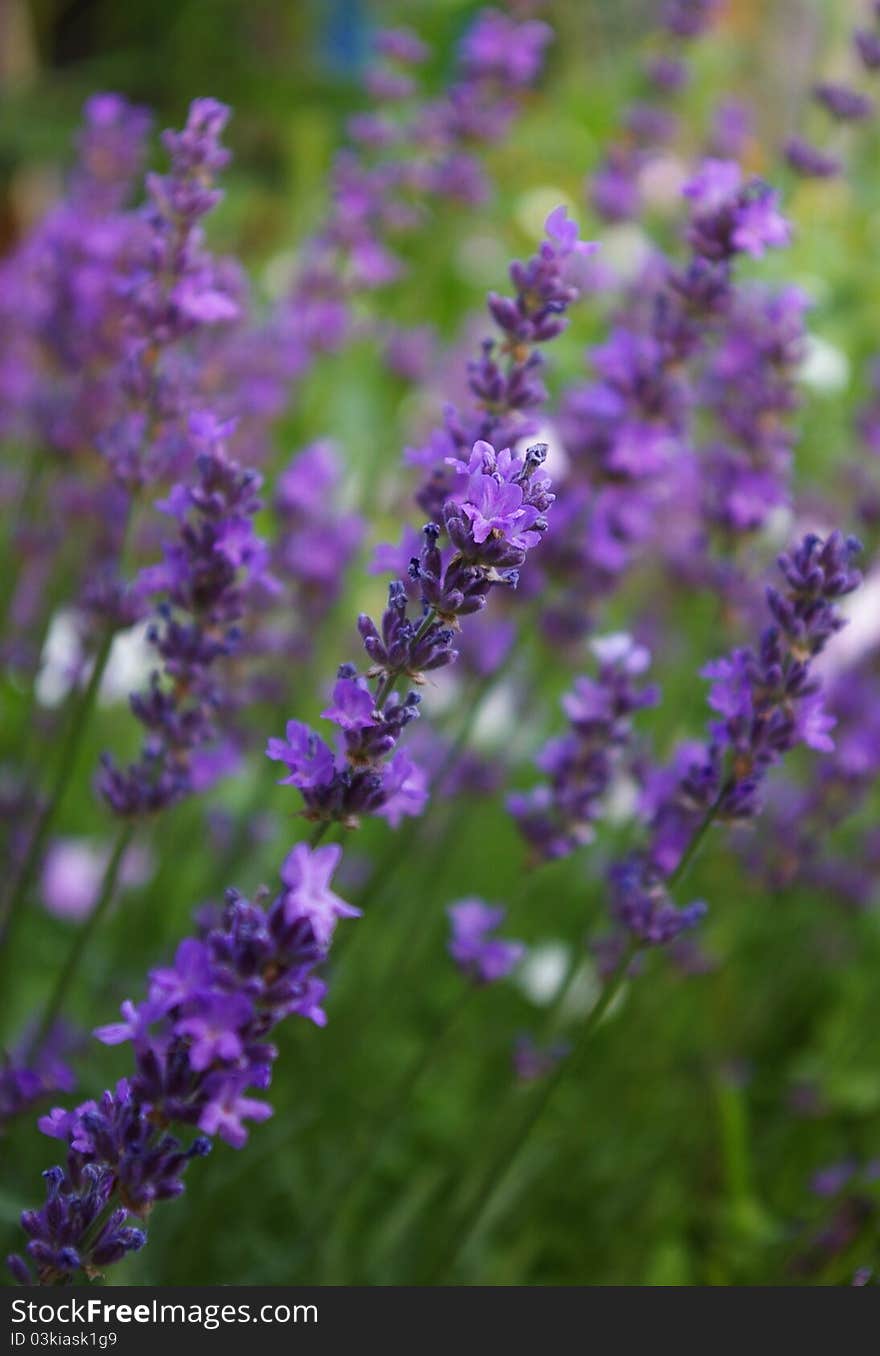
(750, 388)
(769, 700)
(831, 1180)
(306, 875)
(731, 215)
(493, 515)
(28, 1075)
(642, 907)
(499, 48)
(867, 44)
(688, 19)
(732, 125)
(668, 73)
(199, 1045)
(484, 958)
(809, 160)
(504, 382)
(843, 103)
(423, 152)
(613, 187)
(203, 582)
(401, 44)
(558, 816)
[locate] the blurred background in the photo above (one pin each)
(292, 72)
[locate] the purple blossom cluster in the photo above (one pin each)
(481, 956)
(687, 343)
(559, 816)
(769, 699)
(749, 390)
(179, 290)
(796, 845)
(202, 584)
(504, 382)
(315, 542)
(27, 1078)
(843, 104)
(615, 187)
(491, 523)
(200, 1045)
(732, 214)
(411, 150)
(488, 505)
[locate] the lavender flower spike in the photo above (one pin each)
(557, 816)
(200, 1046)
(768, 700)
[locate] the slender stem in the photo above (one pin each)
(66, 767)
(84, 937)
(20, 517)
(382, 1125)
(318, 832)
(696, 841)
(535, 1107)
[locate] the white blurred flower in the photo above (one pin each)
(824, 368)
(542, 973)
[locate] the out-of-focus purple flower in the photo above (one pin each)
(732, 124)
(499, 48)
(731, 215)
(843, 103)
(668, 73)
(688, 19)
(831, 1180)
(867, 44)
(651, 125)
(532, 1061)
(613, 188)
(73, 870)
(208, 569)
(809, 160)
(642, 907)
(558, 816)
(110, 150)
(28, 1074)
(769, 699)
(482, 957)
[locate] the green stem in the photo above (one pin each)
(84, 937)
(535, 1107)
(21, 516)
(318, 832)
(382, 1125)
(696, 841)
(66, 767)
